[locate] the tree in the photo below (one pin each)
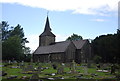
(74, 37)
(5, 30)
(12, 48)
(13, 42)
(106, 46)
(97, 59)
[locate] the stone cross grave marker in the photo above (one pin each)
(73, 67)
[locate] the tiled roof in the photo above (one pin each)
(59, 47)
(79, 43)
(55, 48)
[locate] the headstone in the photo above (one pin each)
(30, 68)
(104, 66)
(112, 69)
(60, 70)
(63, 64)
(12, 77)
(22, 65)
(14, 66)
(89, 64)
(39, 69)
(24, 77)
(54, 66)
(24, 69)
(14, 61)
(34, 77)
(9, 62)
(4, 73)
(98, 66)
(73, 67)
(85, 70)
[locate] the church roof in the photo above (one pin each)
(59, 47)
(47, 30)
(79, 43)
(55, 48)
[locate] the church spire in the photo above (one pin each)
(47, 29)
(47, 25)
(47, 37)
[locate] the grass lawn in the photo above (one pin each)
(66, 75)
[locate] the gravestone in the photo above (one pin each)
(39, 69)
(104, 66)
(34, 77)
(15, 61)
(112, 69)
(54, 66)
(85, 70)
(4, 73)
(24, 77)
(98, 66)
(89, 64)
(60, 70)
(14, 66)
(22, 65)
(24, 69)
(30, 68)
(63, 64)
(73, 67)
(12, 77)
(9, 62)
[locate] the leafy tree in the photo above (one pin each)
(13, 42)
(97, 59)
(12, 48)
(74, 37)
(106, 46)
(5, 30)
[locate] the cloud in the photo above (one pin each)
(61, 37)
(33, 41)
(98, 20)
(93, 7)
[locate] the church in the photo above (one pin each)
(64, 51)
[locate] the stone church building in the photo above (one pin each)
(65, 51)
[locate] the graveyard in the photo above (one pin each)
(57, 71)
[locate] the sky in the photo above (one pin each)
(87, 18)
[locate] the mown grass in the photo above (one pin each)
(79, 69)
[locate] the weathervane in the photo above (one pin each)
(47, 13)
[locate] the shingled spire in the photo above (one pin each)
(47, 30)
(47, 37)
(47, 25)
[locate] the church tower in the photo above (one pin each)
(47, 37)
